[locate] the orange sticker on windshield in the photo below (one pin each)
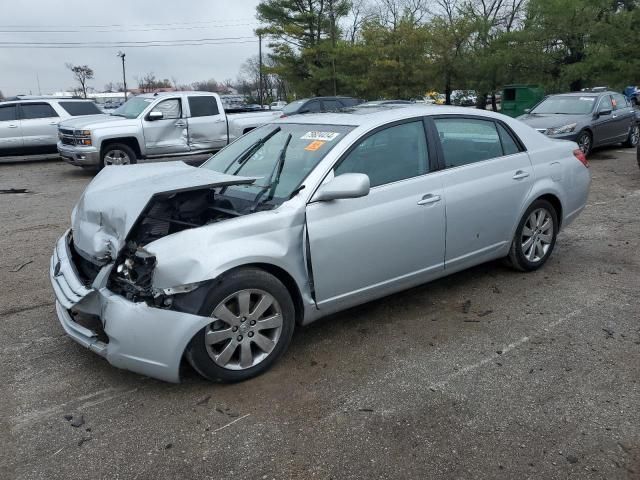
(313, 146)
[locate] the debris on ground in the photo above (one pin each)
(21, 266)
(14, 190)
(609, 332)
(466, 306)
(572, 459)
(83, 440)
(485, 313)
(204, 401)
(77, 421)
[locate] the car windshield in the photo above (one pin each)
(566, 105)
(293, 107)
(294, 150)
(133, 107)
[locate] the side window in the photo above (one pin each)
(605, 103)
(7, 113)
(170, 109)
(203, 106)
(619, 102)
(390, 155)
(36, 110)
(509, 145)
(467, 140)
(331, 105)
(312, 107)
(80, 108)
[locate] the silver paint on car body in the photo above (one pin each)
(360, 249)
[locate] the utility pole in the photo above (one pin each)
(332, 18)
(260, 69)
(38, 79)
(121, 54)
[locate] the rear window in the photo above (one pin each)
(203, 106)
(76, 109)
(31, 111)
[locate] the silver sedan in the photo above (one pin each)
(299, 219)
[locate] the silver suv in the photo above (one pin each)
(29, 125)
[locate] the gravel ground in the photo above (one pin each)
(489, 373)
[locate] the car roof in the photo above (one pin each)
(373, 116)
(166, 94)
(582, 94)
(45, 99)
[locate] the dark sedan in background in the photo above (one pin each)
(591, 119)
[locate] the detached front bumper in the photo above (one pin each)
(79, 156)
(132, 336)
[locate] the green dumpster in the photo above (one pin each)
(517, 98)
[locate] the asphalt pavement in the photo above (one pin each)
(489, 373)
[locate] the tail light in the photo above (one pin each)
(579, 154)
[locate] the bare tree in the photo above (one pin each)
(1, 95)
(82, 73)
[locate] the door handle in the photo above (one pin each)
(12, 126)
(520, 174)
(180, 123)
(429, 198)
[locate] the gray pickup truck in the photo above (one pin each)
(154, 125)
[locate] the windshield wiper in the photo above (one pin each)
(272, 184)
(118, 115)
(251, 149)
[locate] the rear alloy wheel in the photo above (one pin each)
(585, 142)
(535, 237)
(252, 322)
(117, 154)
(634, 136)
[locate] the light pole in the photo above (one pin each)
(121, 54)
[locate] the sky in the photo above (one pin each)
(45, 22)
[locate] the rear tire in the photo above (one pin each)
(535, 237)
(117, 154)
(253, 319)
(634, 136)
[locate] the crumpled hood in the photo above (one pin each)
(113, 201)
(550, 120)
(91, 122)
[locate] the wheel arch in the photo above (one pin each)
(285, 277)
(131, 142)
(555, 202)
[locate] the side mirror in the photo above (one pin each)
(347, 185)
(155, 115)
(606, 111)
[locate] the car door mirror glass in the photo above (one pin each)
(347, 185)
(604, 112)
(156, 115)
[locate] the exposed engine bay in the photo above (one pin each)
(166, 214)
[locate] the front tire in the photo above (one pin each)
(634, 136)
(117, 154)
(585, 142)
(253, 319)
(535, 237)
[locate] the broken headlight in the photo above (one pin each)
(133, 274)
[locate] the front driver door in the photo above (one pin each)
(168, 134)
(393, 238)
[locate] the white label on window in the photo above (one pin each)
(322, 136)
(587, 99)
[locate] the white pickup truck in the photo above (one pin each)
(154, 125)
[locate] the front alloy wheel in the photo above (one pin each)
(252, 321)
(247, 327)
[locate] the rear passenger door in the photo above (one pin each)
(207, 125)
(486, 178)
(624, 116)
(604, 129)
(331, 105)
(10, 134)
(39, 124)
